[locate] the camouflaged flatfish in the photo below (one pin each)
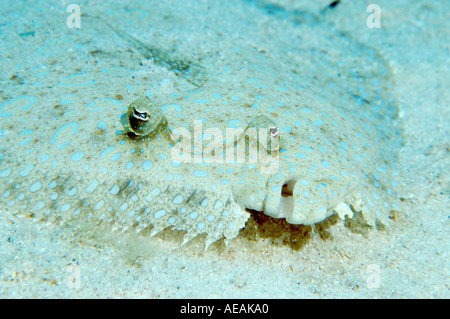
(314, 104)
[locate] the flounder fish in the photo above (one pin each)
(294, 120)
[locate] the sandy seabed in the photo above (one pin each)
(408, 261)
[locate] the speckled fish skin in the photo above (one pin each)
(65, 156)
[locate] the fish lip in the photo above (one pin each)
(274, 131)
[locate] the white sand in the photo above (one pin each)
(412, 259)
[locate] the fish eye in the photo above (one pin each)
(141, 123)
(143, 116)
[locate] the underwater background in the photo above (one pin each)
(90, 207)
